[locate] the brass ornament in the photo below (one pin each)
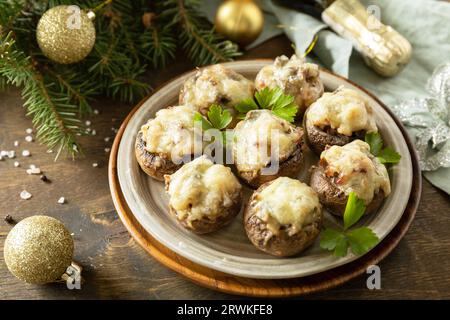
(38, 250)
(240, 21)
(66, 34)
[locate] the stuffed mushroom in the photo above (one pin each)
(337, 118)
(168, 140)
(203, 196)
(215, 85)
(350, 168)
(295, 77)
(283, 217)
(266, 147)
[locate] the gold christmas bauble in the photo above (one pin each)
(66, 34)
(38, 250)
(240, 21)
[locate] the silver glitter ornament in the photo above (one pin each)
(38, 250)
(66, 34)
(429, 119)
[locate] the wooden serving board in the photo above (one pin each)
(262, 287)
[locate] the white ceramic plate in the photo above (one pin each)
(229, 250)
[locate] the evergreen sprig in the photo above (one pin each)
(58, 96)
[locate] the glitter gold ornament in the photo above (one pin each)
(66, 34)
(240, 21)
(38, 250)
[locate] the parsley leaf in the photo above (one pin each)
(333, 240)
(353, 210)
(246, 105)
(206, 125)
(218, 117)
(386, 155)
(360, 240)
(281, 104)
(374, 141)
(389, 155)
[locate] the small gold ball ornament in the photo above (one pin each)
(66, 34)
(38, 250)
(241, 21)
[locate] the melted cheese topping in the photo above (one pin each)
(354, 168)
(344, 110)
(259, 135)
(295, 77)
(202, 189)
(215, 84)
(171, 132)
(287, 202)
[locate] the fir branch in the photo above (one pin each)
(55, 117)
(158, 45)
(201, 43)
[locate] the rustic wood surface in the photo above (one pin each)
(115, 266)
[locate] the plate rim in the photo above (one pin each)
(415, 182)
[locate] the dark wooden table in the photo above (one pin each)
(116, 267)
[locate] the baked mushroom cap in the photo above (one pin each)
(168, 140)
(215, 85)
(283, 217)
(337, 118)
(203, 196)
(342, 170)
(266, 147)
(296, 77)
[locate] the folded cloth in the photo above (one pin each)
(423, 22)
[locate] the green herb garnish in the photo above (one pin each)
(360, 240)
(217, 118)
(281, 104)
(384, 155)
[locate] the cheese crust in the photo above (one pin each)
(215, 85)
(343, 110)
(295, 76)
(353, 168)
(201, 189)
(287, 202)
(259, 135)
(171, 132)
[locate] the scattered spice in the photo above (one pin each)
(9, 220)
(44, 178)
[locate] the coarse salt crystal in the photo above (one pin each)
(29, 131)
(26, 153)
(4, 153)
(88, 123)
(29, 139)
(61, 200)
(16, 164)
(11, 154)
(34, 170)
(25, 195)
(96, 111)
(94, 132)
(107, 139)
(16, 143)
(107, 150)
(95, 164)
